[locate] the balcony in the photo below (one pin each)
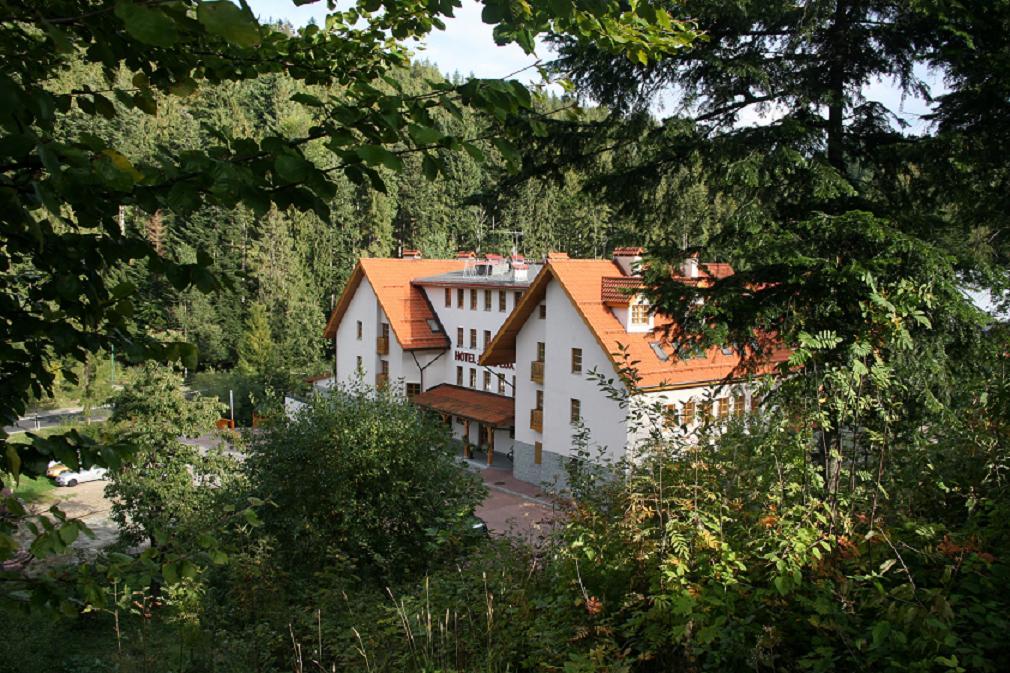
(537, 420)
(537, 372)
(381, 380)
(382, 345)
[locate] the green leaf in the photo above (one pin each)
(235, 24)
(429, 167)
(149, 25)
(376, 154)
(424, 135)
(292, 168)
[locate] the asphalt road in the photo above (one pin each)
(56, 417)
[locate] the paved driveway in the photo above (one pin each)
(516, 508)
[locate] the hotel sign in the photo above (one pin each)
(464, 356)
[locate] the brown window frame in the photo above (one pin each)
(519, 297)
(411, 390)
(459, 298)
(541, 351)
(460, 338)
(448, 297)
(473, 299)
(473, 378)
(739, 405)
(689, 412)
(542, 311)
(487, 381)
(473, 338)
(538, 453)
(501, 384)
(360, 328)
(487, 300)
(576, 360)
(574, 411)
(723, 410)
(487, 338)
(459, 376)
(539, 400)
(501, 301)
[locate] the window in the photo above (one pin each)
(518, 296)
(706, 411)
(473, 300)
(434, 325)
(501, 301)
(459, 337)
(459, 376)
(540, 400)
(755, 404)
(639, 314)
(543, 311)
(487, 338)
(487, 300)
(358, 364)
(359, 330)
(689, 411)
(575, 411)
(473, 339)
(723, 408)
(385, 366)
(448, 298)
(538, 453)
(459, 298)
(739, 405)
(576, 360)
(487, 380)
(385, 330)
(541, 351)
(473, 377)
(501, 384)
(413, 389)
(671, 417)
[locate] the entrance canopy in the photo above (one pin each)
(492, 410)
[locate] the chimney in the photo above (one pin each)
(628, 259)
(689, 267)
(411, 254)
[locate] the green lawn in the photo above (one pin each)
(33, 490)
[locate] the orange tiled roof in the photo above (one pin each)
(405, 306)
(618, 289)
(495, 410)
(582, 281)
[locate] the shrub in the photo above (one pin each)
(367, 482)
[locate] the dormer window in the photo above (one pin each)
(640, 314)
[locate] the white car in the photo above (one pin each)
(71, 478)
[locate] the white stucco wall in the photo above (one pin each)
(604, 419)
(363, 307)
(460, 354)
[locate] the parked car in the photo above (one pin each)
(70, 478)
(56, 468)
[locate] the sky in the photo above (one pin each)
(466, 46)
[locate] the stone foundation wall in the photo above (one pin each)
(550, 473)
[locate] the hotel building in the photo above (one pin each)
(506, 351)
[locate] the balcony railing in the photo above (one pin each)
(537, 420)
(381, 380)
(537, 372)
(382, 345)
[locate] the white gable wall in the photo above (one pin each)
(364, 307)
(604, 419)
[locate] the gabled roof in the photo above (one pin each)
(495, 410)
(406, 307)
(582, 281)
